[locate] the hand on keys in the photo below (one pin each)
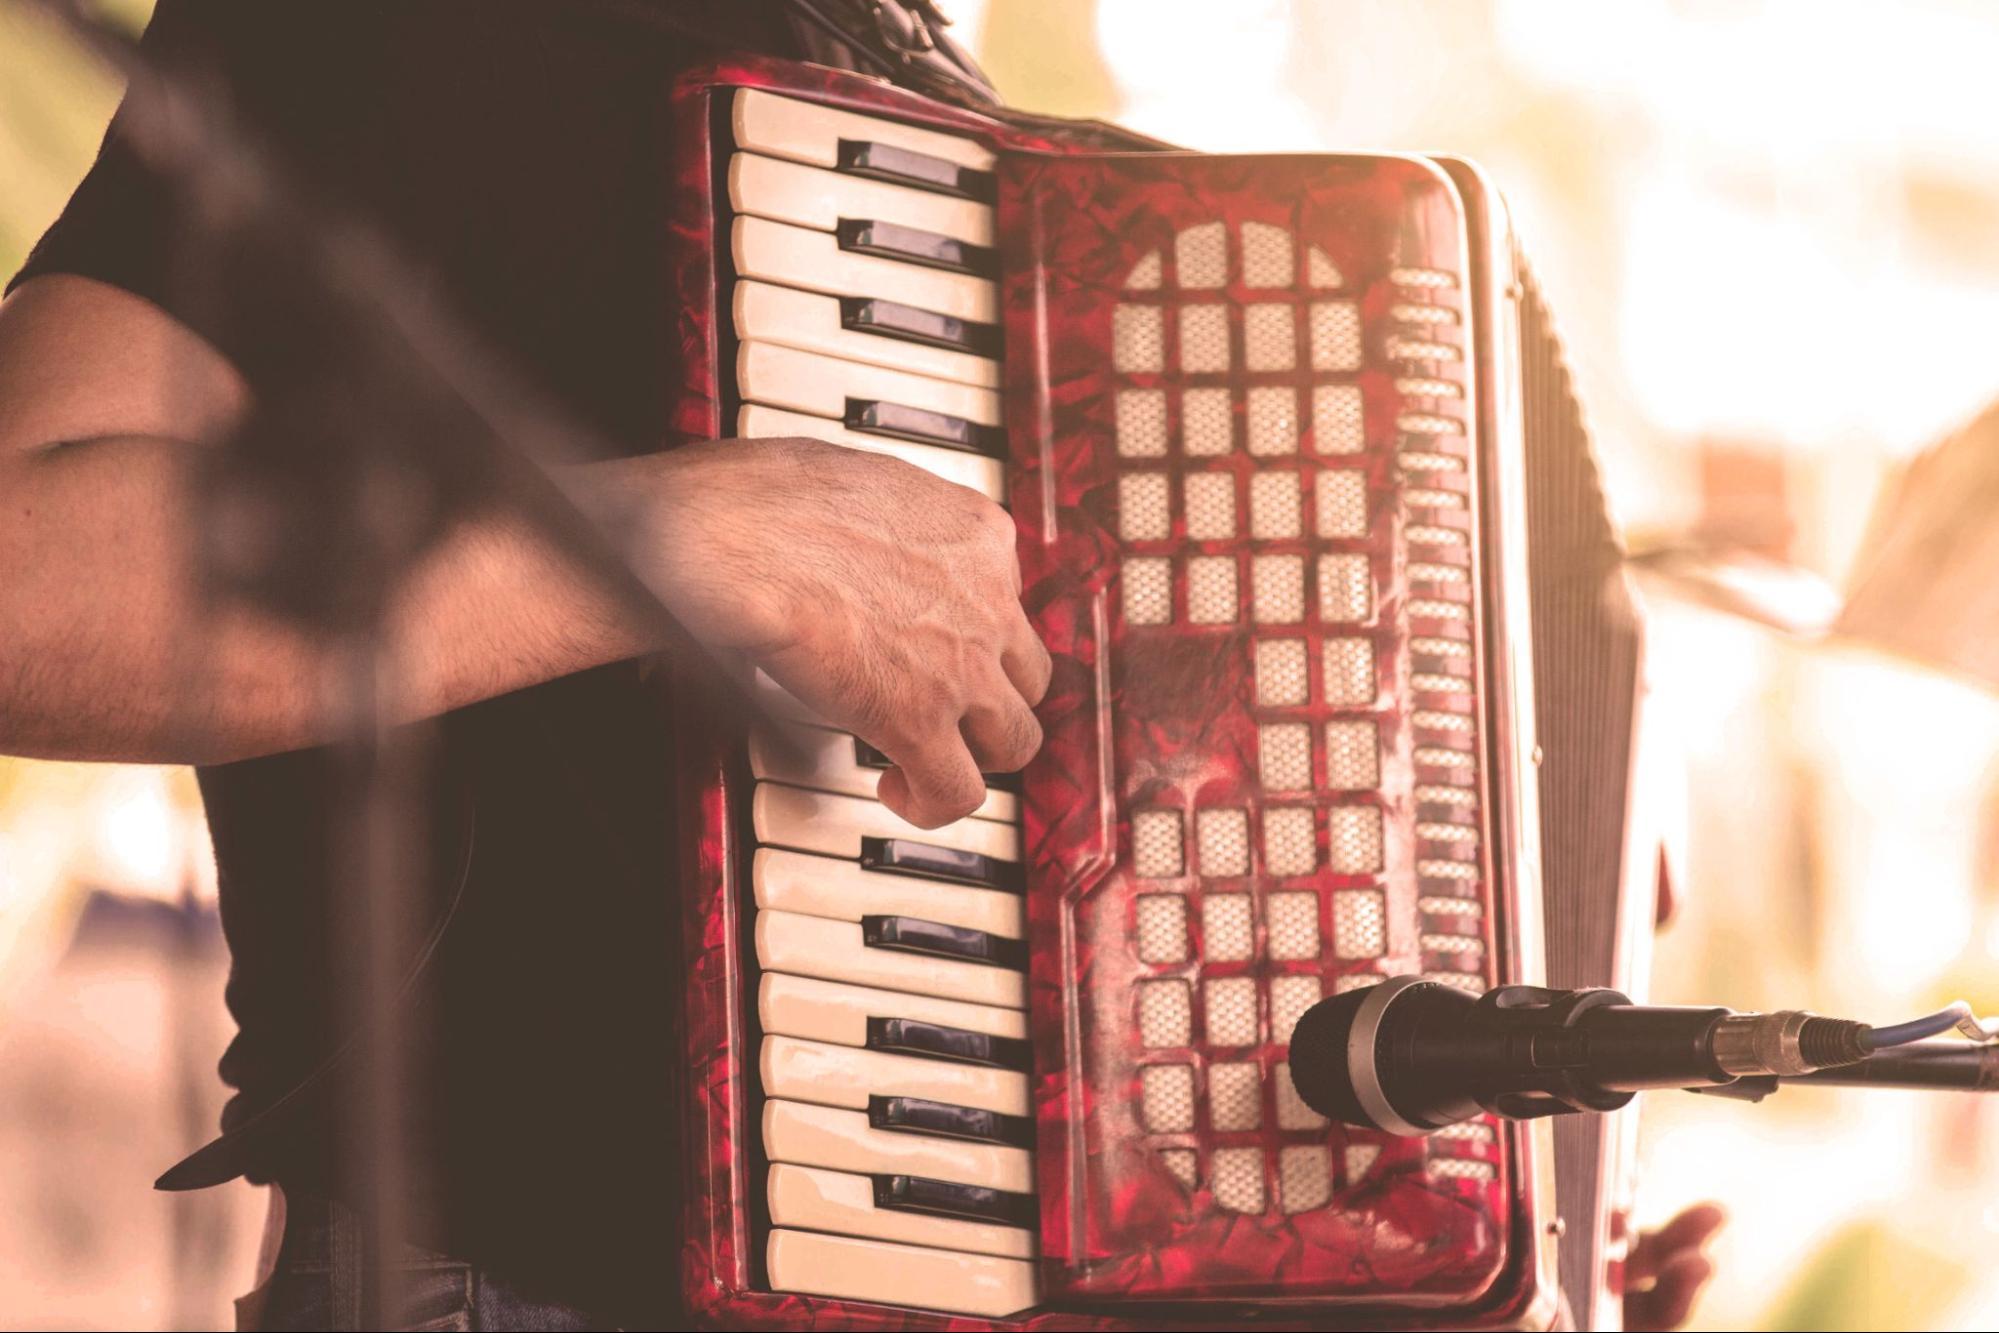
(887, 600)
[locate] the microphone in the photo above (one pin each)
(1411, 1056)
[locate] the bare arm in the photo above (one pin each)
(107, 652)
(883, 597)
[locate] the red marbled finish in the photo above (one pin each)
(1177, 732)
(717, 1260)
(1397, 1248)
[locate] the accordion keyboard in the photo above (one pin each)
(894, 1066)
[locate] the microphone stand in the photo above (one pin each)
(359, 457)
(1934, 1066)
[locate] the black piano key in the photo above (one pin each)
(890, 319)
(913, 245)
(914, 1115)
(945, 1198)
(921, 426)
(885, 162)
(907, 1036)
(900, 856)
(934, 939)
(867, 756)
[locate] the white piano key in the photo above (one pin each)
(799, 257)
(815, 946)
(832, 825)
(824, 760)
(842, 891)
(845, 1268)
(821, 385)
(834, 1011)
(813, 1199)
(821, 199)
(811, 323)
(769, 123)
(779, 702)
(976, 472)
(828, 1075)
(827, 1136)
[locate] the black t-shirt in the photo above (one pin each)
(520, 154)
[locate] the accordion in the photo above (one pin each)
(1345, 685)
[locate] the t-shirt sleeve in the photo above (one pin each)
(280, 69)
(120, 224)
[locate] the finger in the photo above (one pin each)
(1026, 662)
(1003, 734)
(1689, 1230)
(1672, 1297)
(934, 781)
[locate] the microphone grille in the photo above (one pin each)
(1319, 1058)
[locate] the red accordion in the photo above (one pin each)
(1309, 525)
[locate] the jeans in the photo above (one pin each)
(316, 1280)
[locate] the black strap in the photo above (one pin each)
(902, 40)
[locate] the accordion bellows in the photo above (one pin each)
(1260, 423)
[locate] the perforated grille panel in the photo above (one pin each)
(1148, 590)
(1273, 421)
(1289, 840)
(1162, 928)
(1165, 1014)
(1228, 932)
(1276, 502)
(1281, 679)
(1139, 339)
(1342, 503)
(1211, 590)
(1224, 838)
(1141, 423)
(1210, 506)
(1204, 338)
(1158, 843)
(1336, 419)
(1279, 589)
(1266, 256)
(1166, 1098)
(1207, 422)
(1335, 335)
(1235, 1097)
(1334, 566)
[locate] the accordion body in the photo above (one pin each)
(1308, 522)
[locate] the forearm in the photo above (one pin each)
(109, 650)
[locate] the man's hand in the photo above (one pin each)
(885, 599)
(1666, 1270)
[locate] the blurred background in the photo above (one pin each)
(1770, 230)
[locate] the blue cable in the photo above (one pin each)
(1931, 1025)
